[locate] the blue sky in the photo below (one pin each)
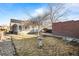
(17, 11)
(20, 11)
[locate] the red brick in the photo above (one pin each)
(68, 28)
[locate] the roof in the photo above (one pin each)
(16, 21)
(22, 22)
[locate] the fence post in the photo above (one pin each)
(1, 35)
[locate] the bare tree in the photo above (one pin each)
(57, 11)
(38, 21)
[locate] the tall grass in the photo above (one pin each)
(52, 47)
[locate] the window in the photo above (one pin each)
(20, 28)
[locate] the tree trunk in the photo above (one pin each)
(38, 31)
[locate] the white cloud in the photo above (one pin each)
(69, 5)
(39, 11)
(72, 6)
(75, 4)
(73, 17)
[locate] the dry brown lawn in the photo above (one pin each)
(52, 47)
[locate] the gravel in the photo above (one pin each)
(6, 48)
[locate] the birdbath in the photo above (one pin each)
(40, 42)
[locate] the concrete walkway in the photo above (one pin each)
(51, 35)
(6, 48)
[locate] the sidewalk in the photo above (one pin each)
(6, 48)
(51, 35)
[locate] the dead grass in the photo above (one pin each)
(52, 47)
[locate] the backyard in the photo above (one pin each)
(52, 47)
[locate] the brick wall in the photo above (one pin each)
(68, 28)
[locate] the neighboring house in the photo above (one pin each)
(17, 26)
(4, 28)
(69, 30)
(22, 26)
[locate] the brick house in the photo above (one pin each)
(66, 29)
